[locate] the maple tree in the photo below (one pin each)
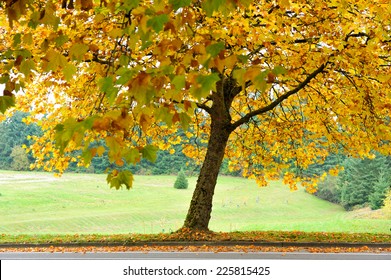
(263, 83)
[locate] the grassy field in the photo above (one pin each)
(39, 203)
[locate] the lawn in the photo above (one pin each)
(39, 203)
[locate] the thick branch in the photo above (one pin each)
(306, 40)
(279, 100)
(357, 35)
(204, 107)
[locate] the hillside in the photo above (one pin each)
(82, 203)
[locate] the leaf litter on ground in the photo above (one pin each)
(186, 237)
(195, 249)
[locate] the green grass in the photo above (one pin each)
(38, 203)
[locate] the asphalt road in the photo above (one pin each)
(194, 255)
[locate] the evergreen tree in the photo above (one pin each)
(381, 187)
(357, 182)
(14, 133)
(181, 181)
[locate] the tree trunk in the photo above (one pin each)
(200, 208)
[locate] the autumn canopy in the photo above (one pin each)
(267, 84)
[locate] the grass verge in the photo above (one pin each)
(186, 235)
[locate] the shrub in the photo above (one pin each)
(387, 205)
(181, 181)
(328, 190)
(20, 159)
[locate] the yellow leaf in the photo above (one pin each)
(251, 73)
(100, 150)
(145, 121)
(230, 61)
(77, 51)
(285, 3)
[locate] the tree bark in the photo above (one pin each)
(200, 209)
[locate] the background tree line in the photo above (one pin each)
(363, 182)
(15, 134)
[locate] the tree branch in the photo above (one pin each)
(279, 100)
(357, 35)
(204, 107)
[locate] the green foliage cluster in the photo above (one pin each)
(380, 190)
(181, 181)
(20, 159)
(13, 135)
(363, 182)
(328, 190)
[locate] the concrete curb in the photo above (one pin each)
(201, 243)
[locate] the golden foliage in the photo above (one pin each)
(305, 78)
